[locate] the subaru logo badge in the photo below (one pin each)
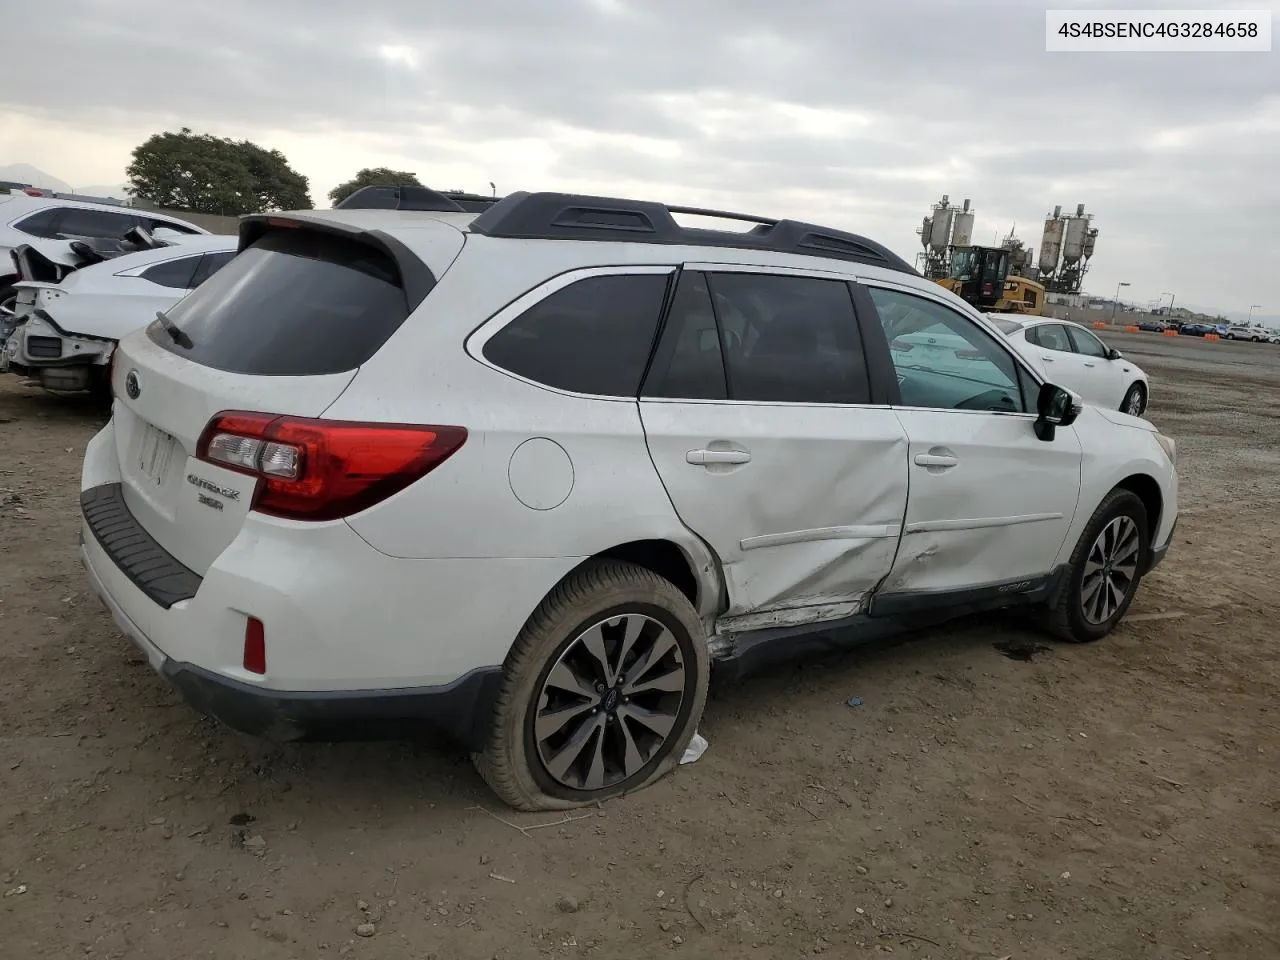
(131, 385)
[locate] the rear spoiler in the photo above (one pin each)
(415, 276)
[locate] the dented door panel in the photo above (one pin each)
(803, 504)
(990, 502)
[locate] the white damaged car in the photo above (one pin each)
(65, 333)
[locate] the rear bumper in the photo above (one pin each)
(460, 709)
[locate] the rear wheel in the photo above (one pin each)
(1104, 571)
(1135, 401)
(602, 691)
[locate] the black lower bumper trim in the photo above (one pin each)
(460, 710)
(152, 569)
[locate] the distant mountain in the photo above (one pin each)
(26, 173)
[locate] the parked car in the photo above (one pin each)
(1244, 331)
(1196, 329)
(64, 333)
(1074, 358)
(527, 475)
(1152, 326)
(49, 225)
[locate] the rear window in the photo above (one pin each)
(295, 303)
(1005, 326)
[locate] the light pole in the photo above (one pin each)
(1253, 307)
(1170, 296)
(1116, 302)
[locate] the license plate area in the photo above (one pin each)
(153, 453)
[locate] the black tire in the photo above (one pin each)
(1139, 391)
(512, 762)
(1066, 619)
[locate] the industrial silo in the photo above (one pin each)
(1074, 239)
(1051, 242)
(940, 233)
(962, 228)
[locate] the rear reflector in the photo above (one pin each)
(324, 469)
(255, 646)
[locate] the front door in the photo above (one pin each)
(1104, 376)
(759, 420)
(990, 503)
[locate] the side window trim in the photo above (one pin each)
(875, 349)
(667, 341)
(481, 335)
(1022, 366)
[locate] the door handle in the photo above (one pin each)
(1088, 364)
(702, 458)
(935, 460)
(1046, 359)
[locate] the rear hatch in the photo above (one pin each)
(281, 330)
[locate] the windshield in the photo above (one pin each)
(964, 264)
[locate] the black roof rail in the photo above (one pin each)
(567, 216)
(403, 197)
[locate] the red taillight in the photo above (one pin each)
(255, 646)
(987, 289)
(324, 469)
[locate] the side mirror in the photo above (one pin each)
(1055, 407)
(1114, 354)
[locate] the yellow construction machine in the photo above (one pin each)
(980, 276)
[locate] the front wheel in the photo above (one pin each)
(1103, 572)
(1135, 401)
(601, 692)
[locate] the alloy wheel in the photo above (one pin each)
(1135, 405)
(1110, 570)
(610, 702)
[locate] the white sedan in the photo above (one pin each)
(1073, 357)
(65, 333)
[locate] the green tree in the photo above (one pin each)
(207, 174)
(372, 177)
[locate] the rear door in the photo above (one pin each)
(281, 329)
(990, 503)
(760, 419)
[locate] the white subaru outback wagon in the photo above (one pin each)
(526, 476)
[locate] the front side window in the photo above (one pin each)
(789, 339)
(943, 359)
(1087, 343)
(210, 264)
(593, 336)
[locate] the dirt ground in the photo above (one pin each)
(1114, 801)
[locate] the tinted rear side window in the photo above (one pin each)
(790, 339)
(295, 303)
(42, 224)
(174, 273)
(593, 336)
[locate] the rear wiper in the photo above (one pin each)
(171, 328)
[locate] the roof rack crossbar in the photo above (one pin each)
(565, 216)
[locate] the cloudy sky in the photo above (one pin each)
(856, 114)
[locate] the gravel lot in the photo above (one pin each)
(1114, 801)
